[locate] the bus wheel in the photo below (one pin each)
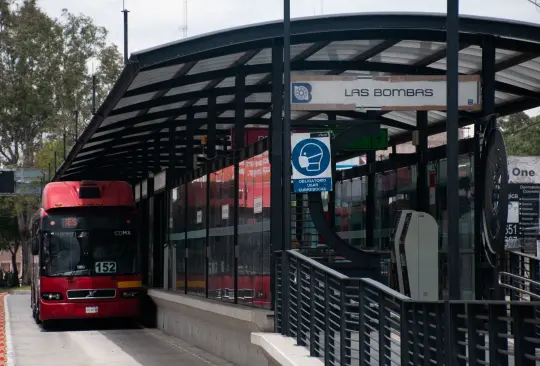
(35, 314)
(46, 324)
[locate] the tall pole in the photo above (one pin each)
(287, 124)
(125, 11)
(64, 146)
(76, 126)
(452, 84)
(94, 92)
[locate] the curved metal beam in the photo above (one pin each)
(367, 261)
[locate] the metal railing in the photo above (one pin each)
(352, 321)
(520, 277)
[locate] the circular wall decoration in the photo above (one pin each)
(495, 195)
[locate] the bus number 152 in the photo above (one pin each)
(105, 267)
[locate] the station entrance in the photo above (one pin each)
(221, 225)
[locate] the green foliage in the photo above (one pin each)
(45, 156)
(521, 134)
(15, 216)
(9, 230)
(45, 77)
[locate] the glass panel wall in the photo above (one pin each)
(192, 229)
(196, 236)
(178, 234)
(466, 222)
(254, 232)
(351, 210)
(221, 235)
(397, 190)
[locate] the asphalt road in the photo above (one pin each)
(96, 343)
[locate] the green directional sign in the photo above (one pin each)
(377, 142)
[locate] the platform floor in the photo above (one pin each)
(96, 343)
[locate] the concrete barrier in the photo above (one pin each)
(216, 327)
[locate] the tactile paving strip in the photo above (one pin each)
(3, 357)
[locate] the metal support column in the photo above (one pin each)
(452, 148)
(371, 158)
(485, 278)
(370, 199)
(276, 158)
(188, 160)
(156, 167)
(240, 112)
(422, 187)
(188, 157)
(171, 171)
(211, 127)
(286, 214)
(208, 251)
(332, 194)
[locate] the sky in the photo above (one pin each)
(155, 22)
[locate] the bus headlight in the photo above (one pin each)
(130, 294)
(51, 296)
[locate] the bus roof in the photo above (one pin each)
(99, 193)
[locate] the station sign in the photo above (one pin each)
(523, 202)
(311, 162)
(377, 142)
(414, 92)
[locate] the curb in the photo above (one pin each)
(8, 348)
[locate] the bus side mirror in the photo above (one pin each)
(35, 244)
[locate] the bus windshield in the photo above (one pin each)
(84, 244)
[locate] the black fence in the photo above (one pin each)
(352, 321)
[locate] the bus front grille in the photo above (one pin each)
(91, 294)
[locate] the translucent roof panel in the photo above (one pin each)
(187, 88)
(343, 50)
(525, 75)
(167, 107)
(149, 77)
(215, 63)
(178, 75)
(408, 52)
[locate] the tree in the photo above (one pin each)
(15, 217)
(26, 42)
(521, 134)
(45, 156)
(45, 77)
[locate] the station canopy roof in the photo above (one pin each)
(169, 85)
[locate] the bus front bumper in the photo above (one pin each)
(121, 308)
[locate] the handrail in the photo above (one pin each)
(359, 321)
(525, 281)
(317, 265)
(385, 289)
(521, 254)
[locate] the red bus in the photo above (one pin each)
(85, 252)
